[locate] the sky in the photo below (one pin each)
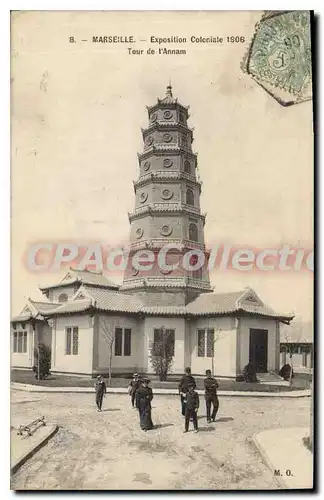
(77, 112)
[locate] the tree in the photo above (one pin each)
(108, 333)
(290, 341)
(42, 357)
(162, 351)
(213, 336)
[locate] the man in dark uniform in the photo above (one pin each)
(192, 405)
(133, 387)
(101, 389)
(211, 397)
(183, 388)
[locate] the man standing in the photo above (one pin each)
(101, 389)
(211, 397)
(133, 387)
(192, 405)
(183, 388)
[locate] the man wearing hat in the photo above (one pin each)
(144, 396)
(211, 397)
(133, 387)
(183, 388)
(101, 389)
(192, 405)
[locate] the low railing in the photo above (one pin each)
(166, 175)
(161, 242)
(160, 207)
(156, 280)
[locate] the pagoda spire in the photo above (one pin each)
(169, 90)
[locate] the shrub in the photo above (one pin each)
(44, 361)
(161, 353)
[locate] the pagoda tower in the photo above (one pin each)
(167, 210)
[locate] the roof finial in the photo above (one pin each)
(169, 90)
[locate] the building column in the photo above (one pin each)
(187, 343)
(179, 348)
(52, 324)
(148, 338)
(31, 345)
(277, 353)
(238, 346)
(95, 343)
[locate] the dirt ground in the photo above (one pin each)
(108, 450)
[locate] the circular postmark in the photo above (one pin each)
(280, 53)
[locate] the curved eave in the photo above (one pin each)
(284, 318)
(157, 178)
(157, 211)
(28, 319)
(153, 150)
(22, 319)
(58, 285)
(172, 105)
(51, 314)
(80, 282)
(161, 126)
(150, 311)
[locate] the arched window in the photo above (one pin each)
(189, 197)
(63, 297)
(187, 167)
(193, 232)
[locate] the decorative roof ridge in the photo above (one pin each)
(165, 176)
(175, 149)
(147, 209)
(88, 302)
(163, 124)
(161, 102)
(85, 270)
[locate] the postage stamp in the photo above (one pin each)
(279, 57)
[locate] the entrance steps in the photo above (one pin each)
(271, 378)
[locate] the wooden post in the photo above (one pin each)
(38, 363)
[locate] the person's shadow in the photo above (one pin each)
(221, 419)
(160, 426)
(224, 419)
(111, 409)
